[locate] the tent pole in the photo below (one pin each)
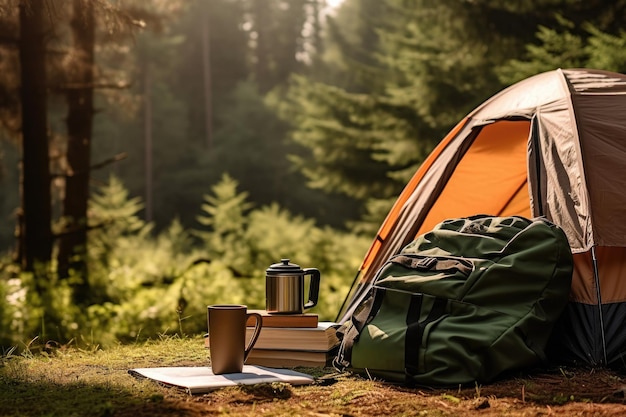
(596, 277)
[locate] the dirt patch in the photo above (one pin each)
(570, 392)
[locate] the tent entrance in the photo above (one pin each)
(491, 177)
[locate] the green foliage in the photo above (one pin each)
(34, 305)
(147, 284)
(605, 50)
(375, 209)
(358, 115)
(113, 214)
(137, 275)
(250, 146)
(593, 43)
(340, 130)
(225, 213)
(428, 66)
(273, 234)
(351, 43)
(247, 241)
(557, 49)
(12, 296)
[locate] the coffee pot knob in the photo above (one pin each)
(284, 266)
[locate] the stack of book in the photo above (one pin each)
(292, 340)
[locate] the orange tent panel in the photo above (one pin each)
(490, 179)
(611, 270)
(392, 217)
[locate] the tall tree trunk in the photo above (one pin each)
(148, 141)
(36, 233)
(206, 74)
(73, 244)
(262, 25)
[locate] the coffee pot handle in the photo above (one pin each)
(314, 287)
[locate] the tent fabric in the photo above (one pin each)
(552, 145)
(492, 190)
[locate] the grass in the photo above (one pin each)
(91, 382)
(48, 380)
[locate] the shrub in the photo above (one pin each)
(147, 284)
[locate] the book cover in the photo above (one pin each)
(200, 379)
(285, 320)
(321, 339)
(276, 358)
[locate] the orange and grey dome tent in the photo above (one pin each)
(552, 145)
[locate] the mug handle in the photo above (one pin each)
(255, 335)
(314, 287)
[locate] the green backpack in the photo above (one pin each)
(471, 299)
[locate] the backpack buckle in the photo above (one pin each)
(425, 263)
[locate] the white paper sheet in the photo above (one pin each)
(197, 380)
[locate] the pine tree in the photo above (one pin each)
(431, 63)
(35, 223)
(79, 95)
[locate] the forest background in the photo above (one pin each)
(157, 156)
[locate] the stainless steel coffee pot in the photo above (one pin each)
(285, 285)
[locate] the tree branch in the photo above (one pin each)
(116, 158)
(121, 85)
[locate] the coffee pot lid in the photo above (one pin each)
(284, 266)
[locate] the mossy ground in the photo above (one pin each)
(70, 381)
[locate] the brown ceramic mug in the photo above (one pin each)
(227, 336)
